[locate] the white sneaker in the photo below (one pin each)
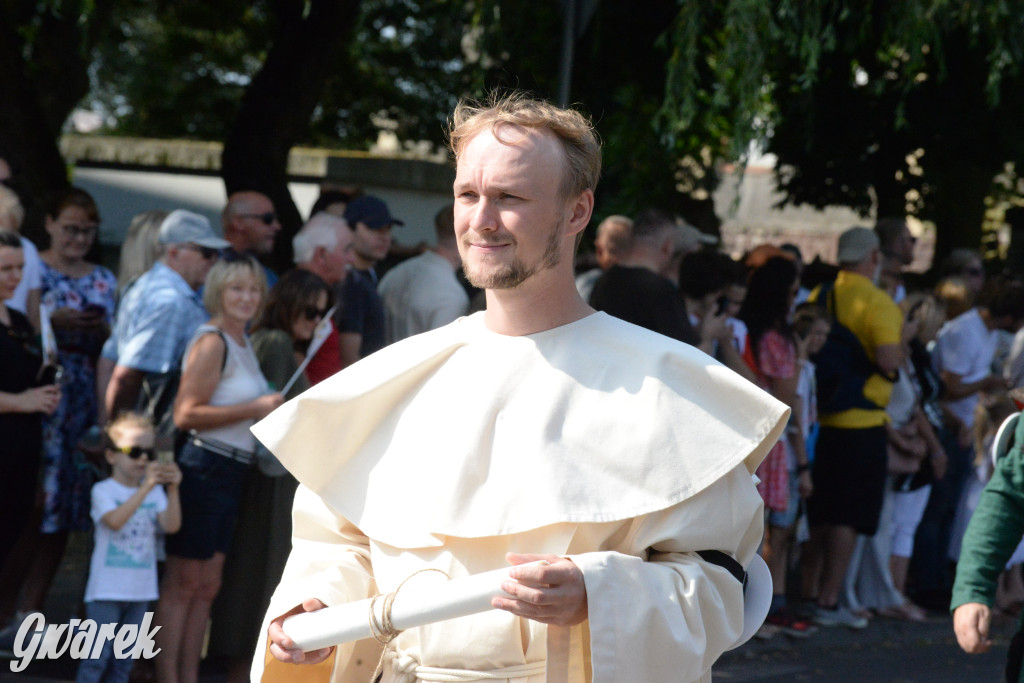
(839, 617)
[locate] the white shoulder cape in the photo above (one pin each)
(465, 432)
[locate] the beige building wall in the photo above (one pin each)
(750, 217)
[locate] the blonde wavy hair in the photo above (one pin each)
(572, 129)
(224, 272)
(126, 420)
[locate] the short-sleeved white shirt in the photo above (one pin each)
(123, 565)
(419, 295)
(966, 347)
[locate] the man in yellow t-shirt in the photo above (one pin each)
(850, 463)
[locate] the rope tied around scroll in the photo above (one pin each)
(383, 629)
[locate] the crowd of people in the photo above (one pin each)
(126, 401)
(196, 340)
(868, 495)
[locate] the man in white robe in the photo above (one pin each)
(538, 429)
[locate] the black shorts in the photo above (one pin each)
(849, 474)
(211, 487)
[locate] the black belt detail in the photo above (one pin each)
(717, 557)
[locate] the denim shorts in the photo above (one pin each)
(211, 487)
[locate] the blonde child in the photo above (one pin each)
(988, 415)
(126, 509)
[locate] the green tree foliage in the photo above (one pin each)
(618, 77)
(276, 107)
(400, 66)
(404, 65)
(892, 106)
(179, 69)
(904, 107)
(403, 70)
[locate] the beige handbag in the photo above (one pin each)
(905, 462)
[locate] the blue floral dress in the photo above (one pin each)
(67, 478)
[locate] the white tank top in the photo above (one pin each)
(240, 382)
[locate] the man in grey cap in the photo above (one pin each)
(158, 315)
(856, 370)
(360, 317)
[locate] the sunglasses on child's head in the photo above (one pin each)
(135, 452)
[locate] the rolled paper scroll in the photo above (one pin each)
(418, 603)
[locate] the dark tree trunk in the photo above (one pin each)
(277, 105)
(964, 141)
(38, 96)
(29, 141)
(958, 207)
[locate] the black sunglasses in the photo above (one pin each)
(207, 253)
(312, 312)
(135, 452)
(268, 218)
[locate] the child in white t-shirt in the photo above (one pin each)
(127, 509)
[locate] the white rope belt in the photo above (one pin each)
(411, 672)
(406, 669)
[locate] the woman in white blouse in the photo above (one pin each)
(222, 393)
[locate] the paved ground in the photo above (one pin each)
(885, 652)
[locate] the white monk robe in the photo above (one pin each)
(621, 448)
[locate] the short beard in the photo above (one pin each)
(517, 272)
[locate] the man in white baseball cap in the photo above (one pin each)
(159, 313)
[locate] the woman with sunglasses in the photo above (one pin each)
(22, 402)
(79, 296)
(280, 337)
(222, 393)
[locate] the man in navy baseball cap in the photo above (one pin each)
(372, 212)
(361, 319)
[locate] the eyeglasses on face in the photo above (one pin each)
(135, 452)
(207, 253)
(86, 231)
(312, 312)
(268, 218)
